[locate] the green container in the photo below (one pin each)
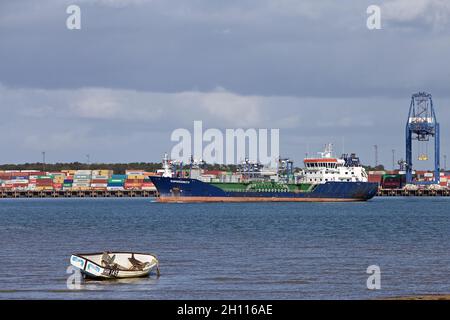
(116, 180)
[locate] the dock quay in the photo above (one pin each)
(76, 193)
(413, 193)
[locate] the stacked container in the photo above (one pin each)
(135, 180)
(41, 182)
(116, 182)
(375, 176)
(67, 180)
(82, 180)
(99, 182)
(102, 172)
(67, 183)
(58, 180)
(148, 185)
(444, 179)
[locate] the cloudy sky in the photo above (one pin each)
(138, 69)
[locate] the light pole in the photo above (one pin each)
(376, 155)
(393, 159)
(43, 161)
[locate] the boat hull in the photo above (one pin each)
(250, 199)
(90, 266)
(192, 190)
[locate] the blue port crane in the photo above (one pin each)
(421, 126)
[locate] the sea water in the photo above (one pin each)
(229, 251)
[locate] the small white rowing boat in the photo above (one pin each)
(115, 265)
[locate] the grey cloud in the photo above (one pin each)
(139, 69)
(434, 14)
(288, 48)
(128, 125)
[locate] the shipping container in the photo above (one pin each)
(377, 172)
(134, 180)
(81, 177)
(119, 176)
(43, 188)
(136, 176)
(102, 172)
(112, 188)
(100, 177)
(99, 181)
(80, 188)
(393, 181)
(377, 178)
(134, 172)
(83, 172)
(99, 185)
(121, 181)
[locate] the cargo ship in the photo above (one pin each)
(324, 179)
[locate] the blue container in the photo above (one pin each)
(115, 184)
(119, 176)
(19, 178)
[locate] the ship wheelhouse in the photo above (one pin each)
(327, 168)
(322, 163)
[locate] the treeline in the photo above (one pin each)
(120, 168)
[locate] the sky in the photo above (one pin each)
(139, 69)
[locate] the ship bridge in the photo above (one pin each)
(327, 168)
(321, 163)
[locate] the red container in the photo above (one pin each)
(132, 185)
(37, 173)
(148, 184)
(20, 174)
(134, 181)
(44, 183)
(95, 181)
(375, 178)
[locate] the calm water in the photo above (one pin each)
(229, 251)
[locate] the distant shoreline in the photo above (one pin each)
(421, 297)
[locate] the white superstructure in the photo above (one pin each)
(167, 167)
(326, 168)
